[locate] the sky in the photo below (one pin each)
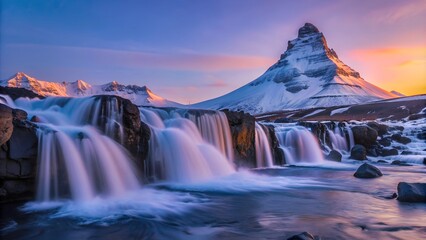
(189, 51)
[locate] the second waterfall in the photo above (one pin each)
(186, 147)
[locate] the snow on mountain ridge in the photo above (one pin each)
(141, 96)
(308, 74)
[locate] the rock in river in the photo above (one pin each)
(411, 192)
(367, 171)
(358, 152)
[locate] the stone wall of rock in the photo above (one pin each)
(277, 153)
(365, 135)
(18, 155)
(136, 133)
(242, 127)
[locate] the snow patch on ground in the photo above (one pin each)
(339, 110)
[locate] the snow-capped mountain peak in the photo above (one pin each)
(43, 88)
(141, 96)
(308, 74)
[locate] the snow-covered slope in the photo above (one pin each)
(141, 96)
(308, 74)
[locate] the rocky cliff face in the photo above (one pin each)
(242, 127)
(18, 155)
(136, 133)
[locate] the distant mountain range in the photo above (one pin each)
(141, 96)
(308, 74)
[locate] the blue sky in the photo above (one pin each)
(195, 50)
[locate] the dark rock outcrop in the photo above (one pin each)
(16, 93)
(334, 156)
(388, 152)
(400, 163)
(302, 236)
(319, 129)
(386, 142)
(18, 159)
(401, 139)
(6, 126)
(422, 135)
(367, 171)
(411, 192)
(364, 135)
(307, 29)
(358, 152)
(136, 134)
(277, 152)
(242, 127)
(380, 128)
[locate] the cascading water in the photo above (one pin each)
(298, 144)
(339, 140)
(75, 159)
(214, 128)
(178, 152)
(263, 149)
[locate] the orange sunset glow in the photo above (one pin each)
(400, 68)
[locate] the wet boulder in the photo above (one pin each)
(358, 152)
(367, 171)
(401, 139)
(6, 126)
(242, 127)
(302, 236)
(385, 142)
(411, 192)
(364, 135)
(400, 163)
(334, 156)
(422, 135)
(388, 152)
(381, 129)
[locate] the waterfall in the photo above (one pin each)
(338, 139)
(215, 129)
(341, 138)
(298, 144)
(179, 151)
(75, 159)
(263, 149)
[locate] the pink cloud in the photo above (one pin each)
(156, 60)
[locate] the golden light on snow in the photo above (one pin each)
(399, 68)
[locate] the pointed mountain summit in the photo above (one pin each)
(308, 74)
(141, 96)
(43, 88)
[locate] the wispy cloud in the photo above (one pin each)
(393, 13)
(154, 60)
